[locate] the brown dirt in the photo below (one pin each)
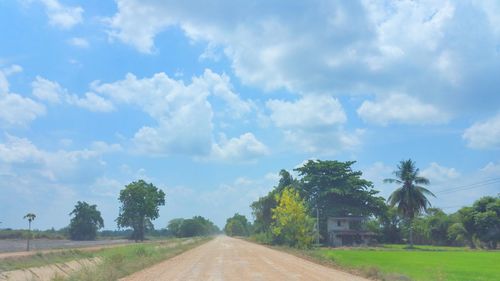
(226, 258)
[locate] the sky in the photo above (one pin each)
(209, 100)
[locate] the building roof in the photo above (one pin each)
(351, 232)
(348, 218)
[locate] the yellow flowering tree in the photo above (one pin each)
(292, 225)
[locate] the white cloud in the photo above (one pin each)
(244, 148)
(137, 24)
(314, 124)
(307, 112)
(438, 174)
(16, 109)
(183, 114)
(22, 154)
(416, 47)
(52, 92)
(62, 16)
(91, 102)
(47, 90)
(403, 109)
(484, 135)
(79, 42)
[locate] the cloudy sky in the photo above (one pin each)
(210, 100)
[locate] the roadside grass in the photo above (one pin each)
(422, 263)
(116, 262)
(41, 259)
(122, 261)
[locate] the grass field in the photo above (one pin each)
(422, 263)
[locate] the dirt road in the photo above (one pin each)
(226, 258)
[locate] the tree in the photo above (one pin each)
(140, 204)
(30, 217)
(86, 221)
(332, 188)
(481, 221)
(237, 225)
(261, 209)
(174, 227)
(291, 220)
(410, 198)
(197, 226)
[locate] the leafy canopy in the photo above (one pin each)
(292, 223)
(140, 204)
(85, 222)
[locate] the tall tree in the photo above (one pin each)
(86, 221)
(140, 204)
(332, 188)
(410, 198)
(30, 217)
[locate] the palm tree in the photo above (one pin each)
(410, 198)
(31, 217)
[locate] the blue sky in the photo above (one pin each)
(210, 100)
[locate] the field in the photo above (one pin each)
(423, 263)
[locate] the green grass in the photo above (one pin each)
(122, 261)
(423, 263)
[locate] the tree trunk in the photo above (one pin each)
(29, 236)
(411, 233)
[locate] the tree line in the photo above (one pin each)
(295, 212)
(140, 203)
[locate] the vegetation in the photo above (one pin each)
(410, 198)
(292, 224)
(422, 263)
(480, 222)
(85, 223)
(196, 226)
(116, 262)
(119, 262)
(237, 225)
(140, 204)
(30, 217)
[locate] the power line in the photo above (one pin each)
(469, 186)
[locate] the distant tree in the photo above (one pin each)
(174, 227)
(237, 225)
(333, 188)
(140, 204)
(292, 224)
(30, 217)
(410, 198)
(197, 226)
(481, 221)
(85, 222)
(391, 226)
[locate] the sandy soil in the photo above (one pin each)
(226, 258)
(48, 272)
(116, 243)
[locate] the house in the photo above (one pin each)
(348, 231)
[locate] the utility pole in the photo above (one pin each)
(317, 223)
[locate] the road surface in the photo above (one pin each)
(226, 258)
